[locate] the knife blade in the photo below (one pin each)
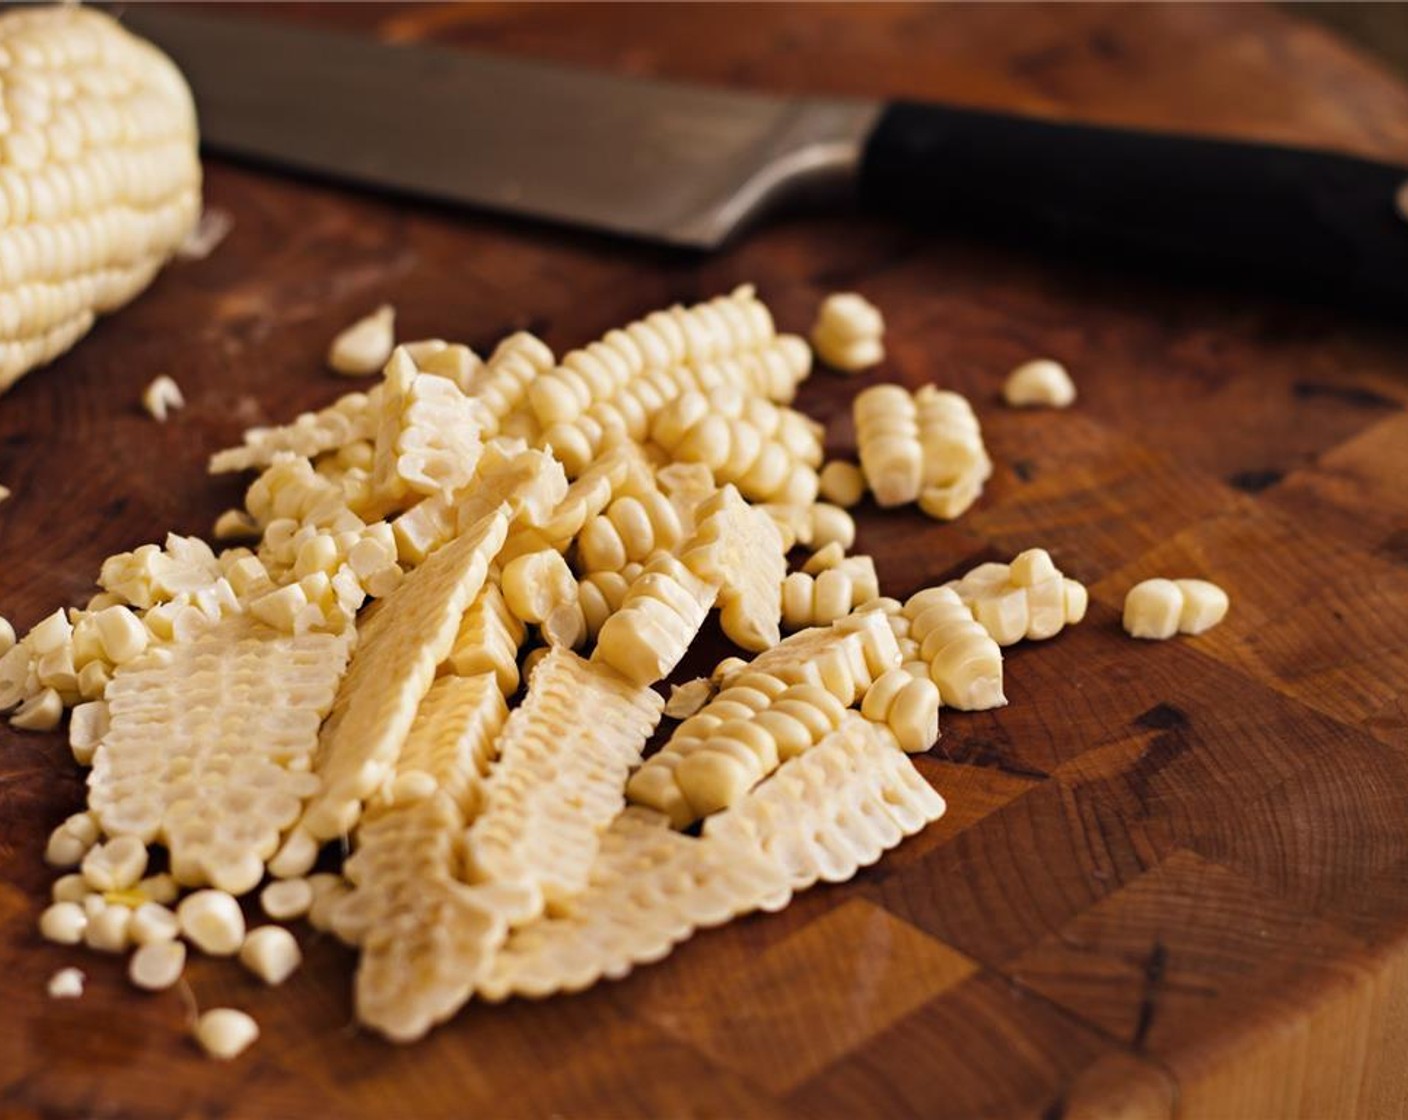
(690, 166)
(655, 160)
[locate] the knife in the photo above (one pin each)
(691, 166)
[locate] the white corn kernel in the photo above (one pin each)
(63, 923)
(116, 865)
(157, 965)
(160, 888)
(41, 712)
(1041, 382)
(225, 1033)
(153, 922)
(271, 953)
(161, 397)
(825, 558)
(363, 348)
(7, 636)
(212, 921)
(235, 525)
(286, 899)
(842, 483)
(1077, 600)
(67, 983)
(848, 333)
(1152, 609)
(71, 841)
(909, 705)
(50, 633)
(212, 228)
(87, 725)
(70, 888)
(328, 890)
(832, 525)
(536, 583)
(686, 699)
(1204, 605)
(121, 633)
(109, 931)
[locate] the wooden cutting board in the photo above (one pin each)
(1173, 878)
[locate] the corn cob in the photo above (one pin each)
(99, 176)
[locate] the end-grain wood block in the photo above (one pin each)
(1202, 836)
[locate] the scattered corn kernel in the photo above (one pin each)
(831, 525)
(848, 333)
(536, 583)
(365, 347)
(116, 864)
(225, 1033)
(162, 397)
(63, 923)
(212, 921)
(109, 930)
(157, 965)
(271, 953)
(71, 841)
(286, 899)
(1152, 609)
(70, 888)
(1041, 382)
(67, 983)
(1204, 605)
(41, 712)
(160, 888)
(1160, 608)
(153, 922)
(842, 483)
(235, 525)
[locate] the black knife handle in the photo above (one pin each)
(1217, 210)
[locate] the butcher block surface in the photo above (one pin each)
(1173, 877)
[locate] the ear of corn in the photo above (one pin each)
(99, 176)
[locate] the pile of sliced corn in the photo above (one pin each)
(354, 680)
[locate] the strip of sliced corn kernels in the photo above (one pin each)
(352, 417)
(452, 742)
(833, 810)
(209, 747)
(844, 658)
(963, 659)
(659, 617)
(740, 549)
(772, 371)
(428, 433)
(956, 463)
(559, 779)
(708, 331)
(425, 937)
(756, 720)
(487, 641)
(412, 631)
(649, 889)
(1028, 598)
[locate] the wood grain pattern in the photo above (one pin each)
(1174, 877)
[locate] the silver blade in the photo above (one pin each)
(656, 160)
